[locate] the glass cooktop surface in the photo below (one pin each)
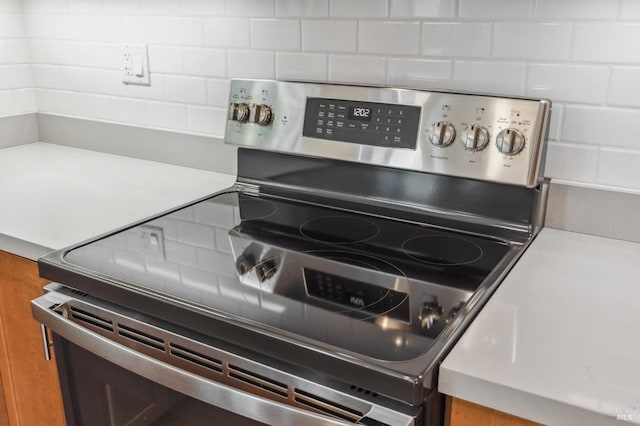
(375, 286)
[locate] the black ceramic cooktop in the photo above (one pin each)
(351, 280)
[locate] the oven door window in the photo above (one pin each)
(97, 392)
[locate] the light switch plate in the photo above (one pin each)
(135, 68)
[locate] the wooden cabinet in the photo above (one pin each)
(465, 413)
(30, 383)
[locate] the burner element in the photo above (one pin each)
(255, 208)
(339, 229)
(442, 250)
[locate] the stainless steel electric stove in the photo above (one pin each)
(366, 228)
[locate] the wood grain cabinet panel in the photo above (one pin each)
(465, 413)
(30, 383)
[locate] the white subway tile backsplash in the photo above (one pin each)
(606, 42)
(7, 106)
(257, 8)
(218, 92)
(571, 162)
(301, 66)
(251, 64)
(496, 9)
(183, 31)
(77, 79)
(15, 77)
(358, 8)
(24, 101)
(620, 168)
(357, 69)
(206, 120)
(71, 27)
(329, 36)
(569, 83)
(555, 122)
(168, 115)
(302, 8)
(165, 59)
(230, 33)
(506, 78)
(277, 34)
(422, 8)
(580, 54)
(456, 39)
(103, 28)
(625, 87)
(548, 41)
(11, 26)
(577, 9)
(16, 51)
(400, 38)
(142, 29)
(203, 8)
(84, 6)
(129, 111)
(155, 91)
(629, 10)
(188, 90)
(96, 55)
(205, 62)
(419, 73)
(600, 126)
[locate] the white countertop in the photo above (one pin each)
(559, 341)
(54, 196)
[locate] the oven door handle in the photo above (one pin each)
(213, 393)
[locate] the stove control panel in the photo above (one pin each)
(492, 138)
(366, 123)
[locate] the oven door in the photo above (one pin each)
(105, 382)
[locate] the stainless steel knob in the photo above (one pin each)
(431, 312)
(442, 133)
(475, 138)
(239, 112)
(264, 115)
(510, 141)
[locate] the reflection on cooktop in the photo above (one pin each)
(442, 250)
(339, 229)
(354, 281)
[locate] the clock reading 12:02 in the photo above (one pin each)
(359, 113)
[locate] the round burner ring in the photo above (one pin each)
(442, 250)
(255, 208)
(344, 229)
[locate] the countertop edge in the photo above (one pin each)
(22, 248)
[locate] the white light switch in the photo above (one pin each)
(135, 68)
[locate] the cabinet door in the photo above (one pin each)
(464, 413)
(30, 383)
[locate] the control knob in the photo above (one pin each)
(475, 138)
(263, 115)
(510, 141)
(431, 312)
(442, 133)
(239, 112)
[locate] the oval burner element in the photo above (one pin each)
(339, 229)
(442, 250)
(255, 208)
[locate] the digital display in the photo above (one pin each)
(359, 113)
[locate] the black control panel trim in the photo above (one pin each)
(365, 123)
